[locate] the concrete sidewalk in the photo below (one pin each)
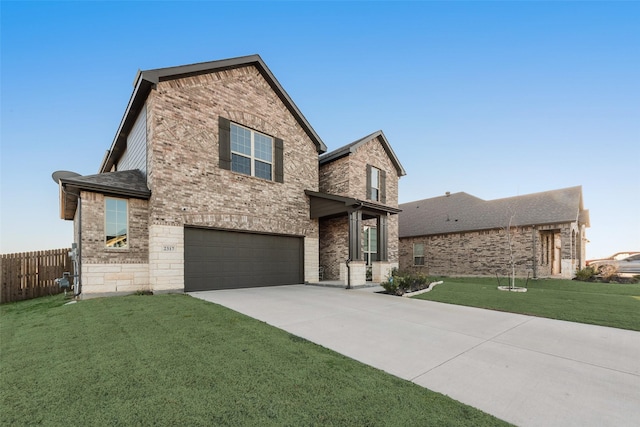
(526, 370)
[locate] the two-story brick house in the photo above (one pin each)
(215, 180)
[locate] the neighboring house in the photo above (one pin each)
(459, 234)
(214, 180)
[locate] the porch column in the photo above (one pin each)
(355, 235)
(383, 238)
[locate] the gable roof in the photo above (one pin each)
(351, 148)
(146, 80)
(460, 212)
(128, 183)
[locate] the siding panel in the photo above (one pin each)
(135, 156)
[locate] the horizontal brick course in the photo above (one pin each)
(486, 252)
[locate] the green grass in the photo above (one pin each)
(605, 304)
(175, 360)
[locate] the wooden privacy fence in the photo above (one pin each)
(32, 274)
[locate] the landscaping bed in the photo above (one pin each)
(404, 284)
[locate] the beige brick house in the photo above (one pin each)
(215, 180)
(459, 234)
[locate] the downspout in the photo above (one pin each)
(79, 272)
(535, 252)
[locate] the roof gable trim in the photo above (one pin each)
(146, 80)
(352, 147)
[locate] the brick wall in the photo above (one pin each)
(334, 246)
(372, 153)
(187, 185)
(347, 177)
(334, 178)
(94, 250)
(106, 270)
(189, 188)
(483, 253)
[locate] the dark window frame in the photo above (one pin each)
(378, 194)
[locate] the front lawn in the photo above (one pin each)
(606, 304)
(175, 360)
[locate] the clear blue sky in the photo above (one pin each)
(496, 99)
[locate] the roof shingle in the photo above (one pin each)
(130, 183)
(460, 212)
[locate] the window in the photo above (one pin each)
(418, 254)
(376, 180)
(370, 244)
(251, 152)
(116, 223)
(375, 184)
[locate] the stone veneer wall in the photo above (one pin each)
(189, 188)
(483, 253)
(311, 259)
(166, 257)
(114, 277)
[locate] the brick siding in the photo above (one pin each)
(334, 246)
(188, 187)
(94, 250)
(347, 177)
(486, 252)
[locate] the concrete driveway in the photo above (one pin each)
(526, 370)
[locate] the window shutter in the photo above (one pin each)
(383, 186)
(279, 160)
(224, 143)
(368, 182)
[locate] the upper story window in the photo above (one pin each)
(116, 223)
(376, 183)
(251, 152)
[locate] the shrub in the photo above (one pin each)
(586, 274)
(399, 283)
(391, 284)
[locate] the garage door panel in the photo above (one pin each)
(220, 259)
